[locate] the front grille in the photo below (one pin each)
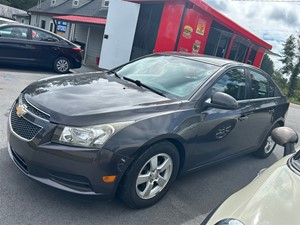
(19, 160)
(22, 127)
(79, 183)
(34, 110)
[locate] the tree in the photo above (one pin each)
(20, 4)
(280, 81)
(5, 2)
(291, 62)
(267, 65)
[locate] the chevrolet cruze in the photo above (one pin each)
(132, 130)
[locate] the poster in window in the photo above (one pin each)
(201, 27)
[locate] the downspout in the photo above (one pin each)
(29, 14)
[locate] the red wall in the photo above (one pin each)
(194, 32)
(169, 27)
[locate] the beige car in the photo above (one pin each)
(272, 198)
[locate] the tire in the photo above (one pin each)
(61, 65)
(150, 176)
(267, 146)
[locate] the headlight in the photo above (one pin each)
(92, 136)
(229, 222)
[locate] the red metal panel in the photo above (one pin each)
(248, 54)
(194, 32)
(230, 46)
(258, 58)
(169, 27)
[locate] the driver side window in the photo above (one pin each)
(232, 83)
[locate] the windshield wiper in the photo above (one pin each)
(140, 84)
(114, 73)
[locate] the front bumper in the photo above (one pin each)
(73, 169)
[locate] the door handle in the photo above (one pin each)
(243, 117)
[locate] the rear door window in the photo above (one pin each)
(39, 35)
(260, 86)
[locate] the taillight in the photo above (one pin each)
(77, 49)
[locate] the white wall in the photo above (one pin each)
(120, 27)
(94, 44)
(81, 32)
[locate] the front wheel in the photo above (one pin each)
(150, 176)
(267, 146)
(61, 65)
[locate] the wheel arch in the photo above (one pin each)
(176, 140)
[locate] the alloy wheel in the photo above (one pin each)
(62, 65)
(269, 145)
(154, 176)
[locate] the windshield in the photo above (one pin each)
(171, 75)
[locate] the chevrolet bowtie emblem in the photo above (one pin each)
(21, 110)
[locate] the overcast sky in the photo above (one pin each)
(274, 21)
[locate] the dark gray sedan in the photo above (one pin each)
(134, 129)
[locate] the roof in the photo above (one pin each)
(90, 9)
(81, 19)
(221, 19)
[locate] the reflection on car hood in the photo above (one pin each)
(272, 198)
(71, 98)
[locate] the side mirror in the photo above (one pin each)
(285, 137)
(223, 101)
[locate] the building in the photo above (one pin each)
(81, 21)
(128, 29)
(177, 25)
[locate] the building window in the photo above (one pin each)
(53, 2)
(51, 26)
(43, 24)
(75, 3)
(105, 3)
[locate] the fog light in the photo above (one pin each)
(108, 179)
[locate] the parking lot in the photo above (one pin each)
(191, 198)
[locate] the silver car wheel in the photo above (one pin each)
(154, 176)
(62, 65)
(269, 145)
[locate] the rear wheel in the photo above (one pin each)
(150, 176)
(61, 65)
(267, 146)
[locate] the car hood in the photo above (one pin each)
(80, 99)
(271, 198)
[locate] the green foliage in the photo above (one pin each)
(281, 82)
(20, 4)
(267, 65)
(291, 63)
(5, 2)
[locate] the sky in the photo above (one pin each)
(270, 20)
